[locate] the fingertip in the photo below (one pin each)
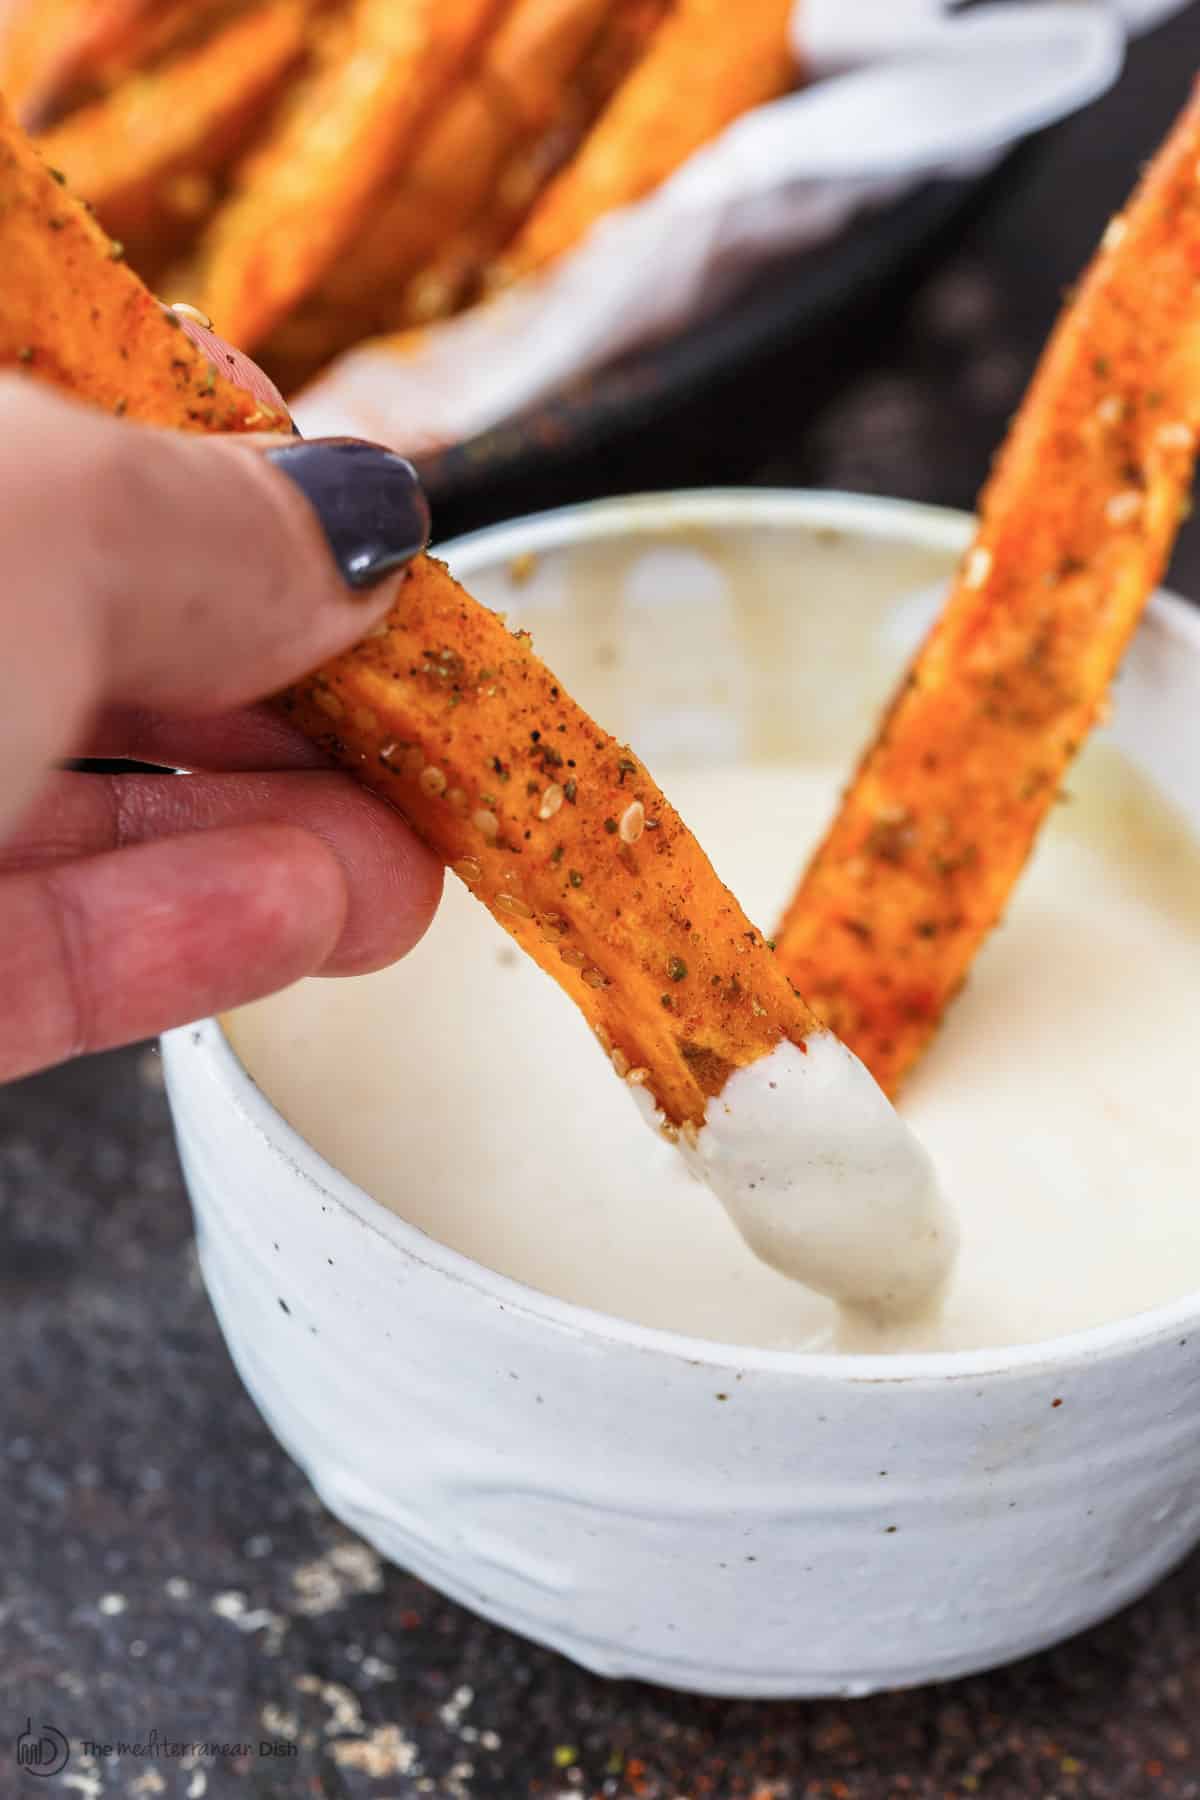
(367, 500)
(203, 573)
(234, 364)
(394, 884)
(220, 918)
(295, 902)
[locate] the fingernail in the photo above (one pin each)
(368, 500)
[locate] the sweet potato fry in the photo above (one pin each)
(507, 101)
(309, 193)
(73, 313)
(59, 54)
(563, 835)
(37, 49)
(147, 154)
(1076, 524)
(432, 253)
(464, 268)
(705, 65)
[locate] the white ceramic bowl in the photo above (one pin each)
(835, 1525)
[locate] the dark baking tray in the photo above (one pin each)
(810, 302)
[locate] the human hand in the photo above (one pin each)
(155, 586)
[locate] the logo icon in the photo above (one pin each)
(45, 1752)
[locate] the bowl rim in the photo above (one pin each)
(933, 527)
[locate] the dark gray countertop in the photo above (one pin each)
(166, 1569)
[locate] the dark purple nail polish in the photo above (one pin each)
(368, 500)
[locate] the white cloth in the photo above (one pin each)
(902, 90)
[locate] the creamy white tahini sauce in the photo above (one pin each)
(825, 1181)
(1058, 1103)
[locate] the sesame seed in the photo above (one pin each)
(594, 978)
(602, 1036)
(620, 1063)
(574, 959)
(187, 311)
(1114, 231)
(511, 903)
(387, 751)
(552, 799)
(432, 781)
(1123, 508)
(1177, 436)
(1111, 410)
(468, 869)
(689, 1131)
(633, 822)
(456, 798)
(978, 567)
(380, 630)
(553, 927)
(486, 824)
(328, 703)
(637, 1077)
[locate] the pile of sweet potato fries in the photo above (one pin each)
(316, 172)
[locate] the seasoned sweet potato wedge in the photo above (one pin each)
(308, 195)
(706, 64)
(146, 155)
(1076, 524)
(563, 835)
(73, 313)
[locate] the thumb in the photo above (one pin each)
(175, 572)
(197, 573)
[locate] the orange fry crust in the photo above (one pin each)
(59, 54)
(73, 314)
(466, 268)
(306, 194)
(707, 63)
(1076, 525)
(563, 835)
(144, 155)
(39, 53)
(459, 173)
